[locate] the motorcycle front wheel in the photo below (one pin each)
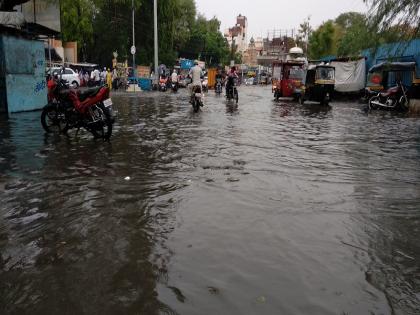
(371, 100)
(52, 120)
(103, 127)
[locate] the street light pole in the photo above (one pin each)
(134, 42)
(156, 40)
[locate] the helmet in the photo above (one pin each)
(196, 62)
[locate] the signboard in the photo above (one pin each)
(43, 12)
(133, 50)
(187, 64)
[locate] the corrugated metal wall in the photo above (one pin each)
(404, 51)
(24, 73)
(3, 96)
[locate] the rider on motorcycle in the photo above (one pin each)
(195, 74)
(232, 75)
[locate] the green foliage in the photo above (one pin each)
(354, 36)
(104, 26)
(322, 41)
(386, 15)
(352, 32)
(76, 20)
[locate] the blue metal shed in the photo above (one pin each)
(22, 74)
(402, 51)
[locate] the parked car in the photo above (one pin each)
(69, 75)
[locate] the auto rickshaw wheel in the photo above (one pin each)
(301, 99)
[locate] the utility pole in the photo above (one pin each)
(156, 40)
(133, 48)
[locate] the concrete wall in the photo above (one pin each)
(70, 52)
(23, 73)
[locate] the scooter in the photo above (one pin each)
(394, 98)
(174, 87)
(204, 84)
(163, 85)
(218, 88)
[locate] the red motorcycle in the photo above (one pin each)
(393, 98)
(70, 108)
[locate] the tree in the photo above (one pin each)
(322, 41)
(354, 36)
(386, 14)
(105, 26)
(304, 32)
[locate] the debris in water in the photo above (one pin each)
(213, 290)
(261, 299)
(127, 178)
(232, 180)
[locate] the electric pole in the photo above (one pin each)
(156, 40)
(133, 48)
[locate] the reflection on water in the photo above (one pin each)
(262, 208)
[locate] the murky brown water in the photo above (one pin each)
(268, 208)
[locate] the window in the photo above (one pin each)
(68, 71)
(325, 74)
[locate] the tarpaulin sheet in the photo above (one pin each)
(350, 76)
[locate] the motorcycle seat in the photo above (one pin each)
(85, 93)
(390, 91)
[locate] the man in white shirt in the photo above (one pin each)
(96, 77)
(174, 77)
(195, 74)
(103, 76)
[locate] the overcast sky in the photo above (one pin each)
(264, 15)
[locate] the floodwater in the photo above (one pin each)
(265, 208)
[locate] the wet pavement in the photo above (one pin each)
(264, 208)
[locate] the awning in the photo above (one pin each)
(40, 30)
(393, 66)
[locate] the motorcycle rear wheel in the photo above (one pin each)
(196, 105)
(104, 128)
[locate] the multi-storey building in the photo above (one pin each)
(238, 35)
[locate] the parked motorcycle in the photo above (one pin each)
(394, 98)
(197, 98)
(68, 108)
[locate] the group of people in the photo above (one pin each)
(97, 78)
(196, 74)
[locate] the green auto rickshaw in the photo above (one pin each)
(318, 84)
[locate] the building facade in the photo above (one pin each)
(238, 34)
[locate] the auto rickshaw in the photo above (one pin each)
(287, 77)
(318, 84)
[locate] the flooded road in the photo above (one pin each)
(264, 208)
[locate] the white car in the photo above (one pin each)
(68, 75)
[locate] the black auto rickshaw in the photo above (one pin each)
(318, 84)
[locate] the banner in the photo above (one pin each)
(350, 76)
